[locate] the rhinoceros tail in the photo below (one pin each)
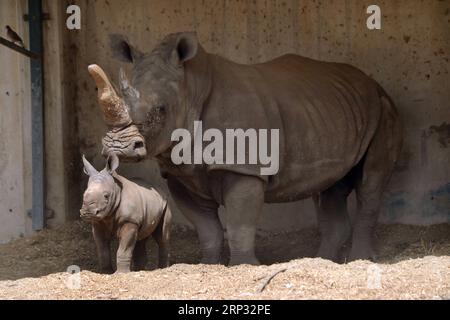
(386, 100)
(392, 118)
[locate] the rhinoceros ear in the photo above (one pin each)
(122, 50)
(88, 168)
(112, 163)
(187, 46)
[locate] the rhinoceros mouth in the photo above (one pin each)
(88, 216)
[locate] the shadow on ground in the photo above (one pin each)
(55, 250)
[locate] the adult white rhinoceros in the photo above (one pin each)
(338, 131)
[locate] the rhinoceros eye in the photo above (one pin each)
(161, 109)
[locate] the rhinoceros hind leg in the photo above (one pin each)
(333, 219)
(377, 169)
(368, 195)
(204, 216)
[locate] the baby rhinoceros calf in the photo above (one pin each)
(115, 205)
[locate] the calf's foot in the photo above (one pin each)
(123, 267)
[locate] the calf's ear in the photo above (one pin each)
(112, 163)
(122, 50)
(88, 168)
(186, 46)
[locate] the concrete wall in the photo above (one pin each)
(15, 120)
(15, 128)
(408, 56)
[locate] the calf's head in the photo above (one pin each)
(102, 195)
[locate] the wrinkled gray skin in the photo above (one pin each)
(339, 131)
(133, 212)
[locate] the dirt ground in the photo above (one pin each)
(413, 263)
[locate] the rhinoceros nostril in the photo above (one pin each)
(138, 145)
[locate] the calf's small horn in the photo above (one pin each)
(115, 111)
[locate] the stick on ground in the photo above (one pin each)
(269, 278)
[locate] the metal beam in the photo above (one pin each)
(37, 115)
(19, 49)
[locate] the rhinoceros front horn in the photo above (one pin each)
(115, 112)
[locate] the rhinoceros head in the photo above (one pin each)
(156, 95)
(102, 194)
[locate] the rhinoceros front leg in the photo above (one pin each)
(127, 242)
(204, 216)
(243, 198)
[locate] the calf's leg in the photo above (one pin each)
(127, 242)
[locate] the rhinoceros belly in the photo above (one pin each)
(327, 114)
